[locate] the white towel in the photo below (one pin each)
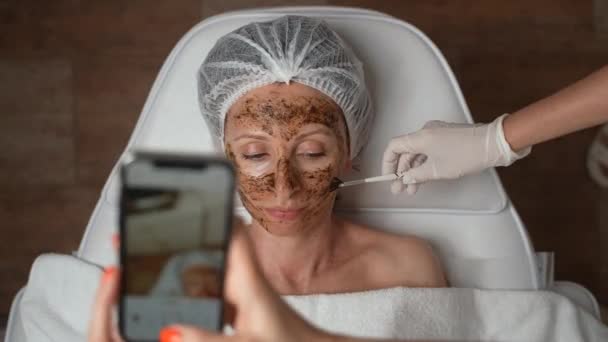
(57, 302)
(452, 314)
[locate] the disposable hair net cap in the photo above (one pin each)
(289, 48)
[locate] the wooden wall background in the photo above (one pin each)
(74, 76)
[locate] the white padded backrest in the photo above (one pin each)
(409, 81)
(410, 84)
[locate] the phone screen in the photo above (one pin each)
(176, 215)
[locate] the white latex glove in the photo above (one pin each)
(442, 150)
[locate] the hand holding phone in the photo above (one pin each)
(175, 219)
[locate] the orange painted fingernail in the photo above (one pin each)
(109, 272)
(170, 334)
(115, 240)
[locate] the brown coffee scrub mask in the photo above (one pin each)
(287, 142)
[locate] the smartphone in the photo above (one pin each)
(175, 222)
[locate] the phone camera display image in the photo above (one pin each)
(175, 225)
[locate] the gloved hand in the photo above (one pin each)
(442, 150)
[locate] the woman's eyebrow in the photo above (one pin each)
(324, 131)
(251, 136)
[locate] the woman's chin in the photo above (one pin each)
(283, 227)
(282, 222)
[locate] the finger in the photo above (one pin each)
(411, 189)
(261, 314)
(419, 159)
(256, 303)
(101, 325)
(116, 242)
(242, 268)
(403, 165)
(393, 151)
(397, 187)
(405, 162)
(116, 335)
(420, 174)
(389, 162)
(188, 333)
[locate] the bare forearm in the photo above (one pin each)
(583, 104)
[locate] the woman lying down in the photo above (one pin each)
(287, 101)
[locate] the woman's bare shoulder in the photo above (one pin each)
(407, 259)
(375, 238)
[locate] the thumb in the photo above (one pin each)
(101, 325)
(411, 189)
(419, 174)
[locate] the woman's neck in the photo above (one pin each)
(292, 262)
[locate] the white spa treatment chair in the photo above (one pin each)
(470, 222)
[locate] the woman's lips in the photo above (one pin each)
(283, 214)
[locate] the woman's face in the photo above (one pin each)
(201, 281)
(287, 142)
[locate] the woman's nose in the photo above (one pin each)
(287, 179)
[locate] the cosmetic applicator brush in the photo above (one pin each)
(336, 183)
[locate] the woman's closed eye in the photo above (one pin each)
(254, 152)
(311, 150)
(312, 155)
(254, 156)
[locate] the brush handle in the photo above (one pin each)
(383, 178)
